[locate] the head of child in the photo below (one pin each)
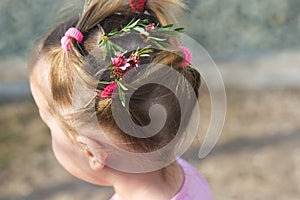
(54, 73)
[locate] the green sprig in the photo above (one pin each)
(138, 25)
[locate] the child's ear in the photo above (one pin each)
(92, 150)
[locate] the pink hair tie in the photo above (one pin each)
(72, 33)
(188, 56)
(138, 5)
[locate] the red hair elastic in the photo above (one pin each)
(138, 5)
(72, 33)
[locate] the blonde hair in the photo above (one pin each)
(66, 66)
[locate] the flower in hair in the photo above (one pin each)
(134, 60)
(145, 29)
(138, 5)
(119, 66)
(150, 27)
(188, 56)
(108, 91)
(154, 34)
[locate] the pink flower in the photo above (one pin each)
(124, 67)
(120, 64)
(150, 27)
(188, 56)
(108, 90)
(134, 60)
(120, 61)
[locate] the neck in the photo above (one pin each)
(159, 185)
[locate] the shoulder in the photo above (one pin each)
(195, 186)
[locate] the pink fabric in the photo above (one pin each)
(195, 187)
(71, 33)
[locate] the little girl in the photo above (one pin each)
(117, 92)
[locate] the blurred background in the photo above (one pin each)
(256, 47)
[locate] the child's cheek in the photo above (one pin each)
(67, 154)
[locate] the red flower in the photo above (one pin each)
(108, 90)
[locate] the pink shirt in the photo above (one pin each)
(195, 187)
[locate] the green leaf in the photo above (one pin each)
(123, 101)
(101, 42)
(168, 26)
(167, 32)
(121, 95)
(144, 55)
(131, 25)
(118, 47)
(113, 32)
(114, 50)
(131, 22)
(144, 48)
(180, 30)
(157, 39)
(123, 86)
(145, 22)
(146, 51)
(109, 48)
(134, 24)
(141, 30)
(104, 82)
(158, 44)
(105, 52)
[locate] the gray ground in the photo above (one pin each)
(257, 156)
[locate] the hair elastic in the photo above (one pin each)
(72, 33)
(138, 5)
(188, 56)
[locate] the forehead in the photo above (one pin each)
(39, 74)
(39, 81)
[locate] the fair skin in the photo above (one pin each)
(89, 164)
